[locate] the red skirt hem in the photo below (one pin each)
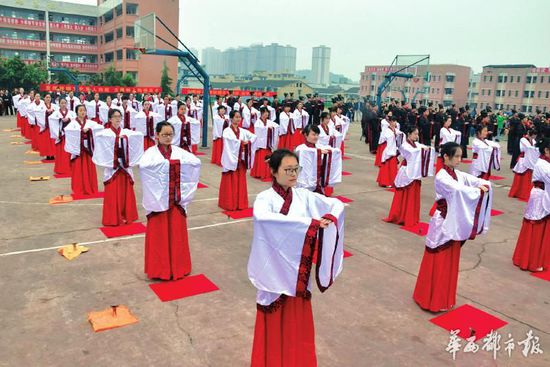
(405, 207)
(533, 246)
(217, 150)
(62, 165)
(261, 169)
(83, 175)
(437, 279)
(522, 185)
(233, 194)
(387, 172)
(379, 151)
(119, 203)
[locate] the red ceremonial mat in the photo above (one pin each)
(97, 195)
(239, 214)
(186, 287)
(495, 212)
(202, 186)
(345, 173)
(470, 321)
(496, 178)
(420, 229)
(544, 275)
(200, 153)
(125, 230)
(66, 175)
(344, 199)
(467, 161)
(345, 158)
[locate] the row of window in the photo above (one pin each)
(33, 55)
(526, 93)
(41, 36)
(529, 79)
(509, 107)
(40, 15)
(131, 9)
(110, 36)
(110, 56)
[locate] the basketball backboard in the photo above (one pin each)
(145, 32)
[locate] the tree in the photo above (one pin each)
(165, 80)
(112, 77)
(33, 75)
(128, 81)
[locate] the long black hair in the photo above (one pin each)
(449, 149)
(543, 143)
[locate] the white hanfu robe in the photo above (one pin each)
(286, 124)
(468, 209)
(93, 108)
(155, 170)
(528, 157)
(114, 154)
(219, 124)
(56, 125)
(189, 135)
(40, 113)
(165, 112)
(538, 206)
(447, 135)
(267, 135)
(146, 124)
(284, 240)
(104, 112)
(486, 157)
(393, 140)
(33, 110)
(73, 136)
(250, 116)
(318, 170)
(301, 118)
(75, 103)
(128, 117)
(332, 138)
(234, 151)
(420, 163)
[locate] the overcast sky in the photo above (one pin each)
(371, 32)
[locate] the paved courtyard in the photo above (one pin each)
(367, 318)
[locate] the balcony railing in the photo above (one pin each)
(42, 44)
(82, 66)
(53, 25)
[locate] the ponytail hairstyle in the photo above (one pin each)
(479, 128)
(449, 149)
(543, 143)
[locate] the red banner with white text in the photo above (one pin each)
(98, 88)
(225, 92)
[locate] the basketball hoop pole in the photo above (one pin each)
(68, 74)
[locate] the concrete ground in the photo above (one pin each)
(367, 318)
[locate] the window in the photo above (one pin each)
(523, 108)
(497, 93)
(501, 79)
(518, 80)
(509, 93)
(133, 74)
(528, 94)
(517, 94)
(489, 91)
(448, 90)
(484, 78)
(450, 78)
(539, 94)
(129, 31)
(373, 77)
(547, 94)
(372, 88)
(108, 37)
(131, 54)
(119, 33)
(119, 55)
(131, 9)
(109, 57)
(490, 78)
(118, 10)
(483, 92)
(107, 17)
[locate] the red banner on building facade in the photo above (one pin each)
(42, 44)
(98, 89)
(224, 92)
(53, 25)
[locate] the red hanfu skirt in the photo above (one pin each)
(438, 164)
(46, 145)
(34, 137)
(194, 148)
(167, 254)
(437, 278)
(379, 151)
(387, 172)
(286, 142)
(24, 125)
(405, 207)
(533, 246)
(284, 335)
(83, 175)
(119, 204)
(343, 148)
(485, 175)
(261, 169)
(18, 122)
(233, 194)
(148, 143)
(217, 150)
(62, 165)
(522, 185)
(298, 138)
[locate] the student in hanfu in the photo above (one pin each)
(320, 165)
(523, 170)
(220, 123)
(117, 150)
(170, 177)
(463, 212)
(58, 122)
(93, 107)
(486, 154)
(145, 122)
(237, 158)
(291, 225)
(186, 129)
(79, 142)
(267, 138)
